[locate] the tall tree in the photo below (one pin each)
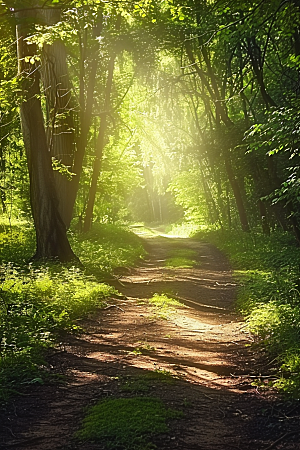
(51, 237)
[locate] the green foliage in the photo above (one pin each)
(17, 240)
(143, 383)
(106, 247)
(268, 272)
(37, 303)
(280, 134)
(188, 193)
(126, 423)
(181, 258)
(163, 305)
(289, 380)
(278, 325)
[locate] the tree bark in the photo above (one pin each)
(60, 124)
(51, 237)
(86, 96)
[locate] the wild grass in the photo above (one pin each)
(181, 258)
(143, 383)
(184, 229)
(268, 272)
(106, 247)
(127, 423)
(38, 302)
(163, 305)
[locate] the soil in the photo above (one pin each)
(203, 344)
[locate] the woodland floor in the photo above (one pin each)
(204, 344)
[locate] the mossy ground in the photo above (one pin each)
(127, 423)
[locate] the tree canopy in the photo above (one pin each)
(152, 111)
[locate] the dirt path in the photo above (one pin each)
(202, 344)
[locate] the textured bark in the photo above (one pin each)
(64, 145)
(60, 128)
(51, 238)
(85, 124)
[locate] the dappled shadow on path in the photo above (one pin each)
(198, 351)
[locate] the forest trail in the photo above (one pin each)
(202, 344)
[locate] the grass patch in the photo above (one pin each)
(268, 272)
(181, 258)
(142, 349)
(17, 241)
(143, 383)
(127, 423)
(184, 230)
(163, 305)
(107, 247)
(38, 303)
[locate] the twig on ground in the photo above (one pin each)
(114, 306)
(10, 430)
(253, 376)
(26, 443)
(290, 433)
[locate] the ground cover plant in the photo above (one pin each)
(142, 384)
(181, 258)
(38, 302)
(163, 305)
(267, 269)
(105, 247)
(127, 423)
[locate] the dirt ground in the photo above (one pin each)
(203, 344)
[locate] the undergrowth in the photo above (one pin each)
(106, 247)
(39, 302)
(268, 271)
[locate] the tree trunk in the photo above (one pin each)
(64, 146)
(60, 123)
(51, 237)
(257, 62)
(237, 194)
(210, 82)
(100, 144)
(86, 109)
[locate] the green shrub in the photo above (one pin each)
(35, 305)
(289, 380)
(277, 325)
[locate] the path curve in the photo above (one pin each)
(202, 344)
